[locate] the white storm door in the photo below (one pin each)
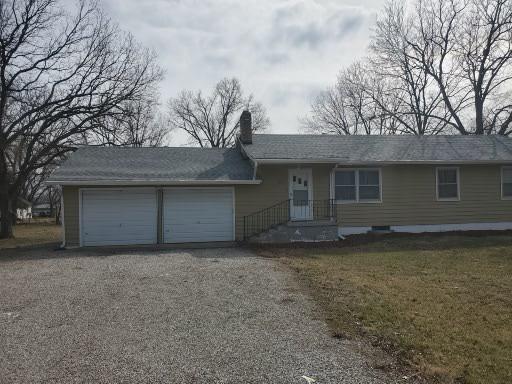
(198, 215)
(300, 183)
(119, 216)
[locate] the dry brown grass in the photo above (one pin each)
(442, 304)
(32, 234)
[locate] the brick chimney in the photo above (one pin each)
(246, 127)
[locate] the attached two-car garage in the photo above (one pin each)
(150, 215)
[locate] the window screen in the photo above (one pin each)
(345, 185)
(506, 179)
(357, 185)
(369, 185)
(447, 183)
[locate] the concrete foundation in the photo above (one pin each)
(299, 231)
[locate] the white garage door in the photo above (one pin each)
(198, 215)
(115, 217)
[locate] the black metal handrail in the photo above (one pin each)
(281, 213)
(313, 210)
(267, 218)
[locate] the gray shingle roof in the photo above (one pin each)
(155, 164)
(373, 148)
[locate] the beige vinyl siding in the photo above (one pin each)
(409, 198)
(71, 216)
(321, 182)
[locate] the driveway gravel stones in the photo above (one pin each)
(194, 316)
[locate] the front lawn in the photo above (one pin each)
(442, 304)
(38, 232)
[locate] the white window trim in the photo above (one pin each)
(503, 197)
(458, 184)
(357, 200)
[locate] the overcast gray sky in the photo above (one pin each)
(283, 51)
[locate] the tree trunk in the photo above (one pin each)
(50, 201)
(479, 116)
(57, 215)
(6, 220)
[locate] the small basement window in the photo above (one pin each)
(381, 228)
(447, 183)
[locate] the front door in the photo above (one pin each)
(300, 181)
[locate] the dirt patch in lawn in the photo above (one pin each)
(33, 234)
(441, 304)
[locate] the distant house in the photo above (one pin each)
(42, 209)
(286, 188)
(23, 209)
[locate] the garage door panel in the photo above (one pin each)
(112, 217)
(106, 232)
(198, 215)
(196, 228)
(203, 220)
(194, 239)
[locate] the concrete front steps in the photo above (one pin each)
(299, 231)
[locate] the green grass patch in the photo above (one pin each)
(441, 303)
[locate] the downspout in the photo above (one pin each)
(63, 226)
(333, 197)
(160, 215)
(255, 169)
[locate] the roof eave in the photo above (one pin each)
(395, 162)
(151, 182)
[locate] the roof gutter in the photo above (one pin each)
(152, 182)
(398, 162)
(255, 169)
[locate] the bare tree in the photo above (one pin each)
(135, 123)
(212, 121)
(50, 195)
(435, 66)
(350, 107)
(485, 51)
(59, 74)
(421, 108)
(466, 48)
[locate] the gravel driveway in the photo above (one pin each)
(195, 316)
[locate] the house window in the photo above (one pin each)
(353, 185)
(506, 182)
(447, 183)
(345, 186)
(369, 185)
